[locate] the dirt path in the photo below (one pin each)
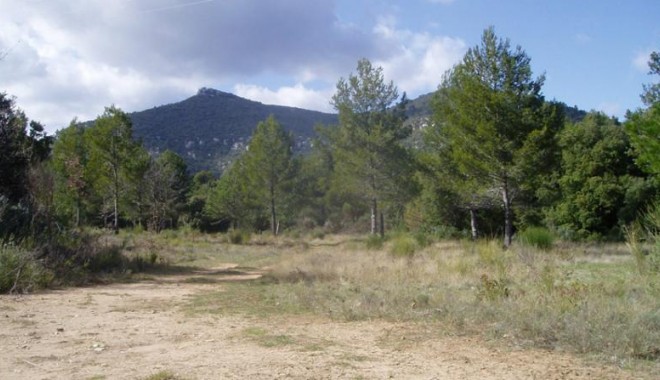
(132, 331)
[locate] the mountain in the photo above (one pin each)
(211, 127)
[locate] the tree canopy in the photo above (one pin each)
(486, 111)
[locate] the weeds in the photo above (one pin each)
(573, 301)
(403, 245)
(374, 242)
(20, 272)
(537, 237)
(238, 236)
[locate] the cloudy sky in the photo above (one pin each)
(69, 58)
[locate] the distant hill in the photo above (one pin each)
(212, 126)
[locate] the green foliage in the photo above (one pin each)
(116, 160)
(22, 146)
(487, 113)
(238, 236)
(270, 168)
(601, 188)
(73, 191)
(212, 127)
(643, 128)
(651, 94)
(20, 272)
(403, 245)
(374, 242)
(643, 240)
(232, 200)
(370, 160)
(166, 185)
(538, 237)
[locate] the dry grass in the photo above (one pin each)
(587, 299)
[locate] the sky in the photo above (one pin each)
(62, 59)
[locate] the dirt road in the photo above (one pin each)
(133, 331)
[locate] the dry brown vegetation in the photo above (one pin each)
(433, 308)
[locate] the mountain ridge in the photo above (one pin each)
(212, 127)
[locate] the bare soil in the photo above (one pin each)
(136, 330)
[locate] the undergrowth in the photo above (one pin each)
(531, 297)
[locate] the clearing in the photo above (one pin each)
(144, 330)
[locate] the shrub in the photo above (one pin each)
(643, 240)
(238, 236)
(374, 242)
(538, 237)
(20, 271)
(403, 245)
(107, 260)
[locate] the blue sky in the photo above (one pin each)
(70, 58)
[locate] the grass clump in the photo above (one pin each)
(238, 236)
(163, 375)
(374, 242)
(403, 245)
(264, 339)
(537, 237)
(643, 241)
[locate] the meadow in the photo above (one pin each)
(592, 299)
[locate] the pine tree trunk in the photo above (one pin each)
(374, 213)
(273, 216)
(508, 225)
(473, 223)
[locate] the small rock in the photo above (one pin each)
(60, 329)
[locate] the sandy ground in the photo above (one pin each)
(132, 331)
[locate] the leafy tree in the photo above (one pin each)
(486, 110)
(651, 94)
(70, 163)
(643, 126)
(112, 150)
(270, 166)
(166, 185)
(643, 129)
(312, 182)
(369, 157)
(22, 145)
(601, 189)
(232, 199)
(202, 184)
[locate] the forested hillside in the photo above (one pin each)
(212, 126)
(490, 156)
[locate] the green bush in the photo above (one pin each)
(20, 272)
(238, 236)
(538, 237)
(374, 242)
(403, 245)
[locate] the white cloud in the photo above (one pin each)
(418, 60)
(641, 61)
(292, 96)
(72, 58)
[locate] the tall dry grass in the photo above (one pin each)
(593, 302)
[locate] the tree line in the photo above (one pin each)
(495, 158)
